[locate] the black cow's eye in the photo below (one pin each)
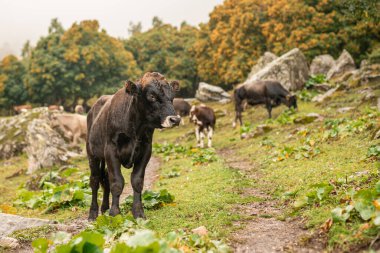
(152, 98)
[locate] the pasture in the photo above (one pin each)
(299, 180)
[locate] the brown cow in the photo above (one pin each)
(120, 131)
(21, 108)
(182, 108)
(58, 108)
(204, 119)
(73, 126)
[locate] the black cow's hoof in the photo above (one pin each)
(104, 209)
(92, 216)
(138, 213)
(114, 211)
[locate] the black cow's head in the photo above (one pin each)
(156, 96)
(291, 101)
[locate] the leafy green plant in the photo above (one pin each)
(56, 196)
(286, 117)
(151, 199)
(317, 79)
(202, 156)
(173, 173)
(246, 128)
(365, 203)
(124, 234)
(317, 194)
(374, 151)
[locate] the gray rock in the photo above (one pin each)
(45, 147)
(291, 70)
(308, 118)
(322, 97)
(263, 61)
(368, 94)
(345, 109)
(321, 64)
(322, 86)
(207, 92)
(10, 223)
(343, 65)
(259, 130)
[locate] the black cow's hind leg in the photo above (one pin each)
(269, 108)
(106, 188)
(94, 183)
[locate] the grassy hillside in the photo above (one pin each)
(309, 169)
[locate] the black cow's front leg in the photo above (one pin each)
(137, 180)
(116, 179)
(269, 107)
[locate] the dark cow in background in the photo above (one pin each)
(182, 108)
(120, 130)
(270, 93)
(204, 119)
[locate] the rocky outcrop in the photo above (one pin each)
(263, 61)
(322, 97)
(13, 131)
(308, 118)
(321, 64)
(45, 147)
(343, 67)
(10, 223)
(207, 92)
(291, 70)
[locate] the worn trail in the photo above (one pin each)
(262, 230)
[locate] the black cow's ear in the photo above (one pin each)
(130, 87)
(175, 85)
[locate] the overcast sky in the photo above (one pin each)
(22, 20)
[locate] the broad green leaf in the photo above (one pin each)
(40, 245)
(363, 203)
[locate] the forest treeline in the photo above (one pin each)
(83, 62)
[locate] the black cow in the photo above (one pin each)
(120, 130)
(182, 108)
(270, 93)
(204, 119)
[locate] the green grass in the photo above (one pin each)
(207, 194)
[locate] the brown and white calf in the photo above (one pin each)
(204, 120)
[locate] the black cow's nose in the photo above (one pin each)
(174, 120)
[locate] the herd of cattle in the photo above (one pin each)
(119, 128)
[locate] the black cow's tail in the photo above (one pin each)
(103, 174)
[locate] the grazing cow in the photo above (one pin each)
(182, 108)
(73, 126)
(270, 93)
(79, 109)
(58, 108)
(21, 108)
(204, 120)
(120, 130)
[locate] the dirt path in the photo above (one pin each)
(262, 231)
(151, 175)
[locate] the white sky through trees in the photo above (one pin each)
(22, 20)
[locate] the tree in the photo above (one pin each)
(167, 50)
(12, 90)
(81, 62)
(134, 28)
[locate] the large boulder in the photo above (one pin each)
(13, 131)
(343, 67)
(45, 147)
(207, 92)
(263, 61)
(321, 64)
(291, 70)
